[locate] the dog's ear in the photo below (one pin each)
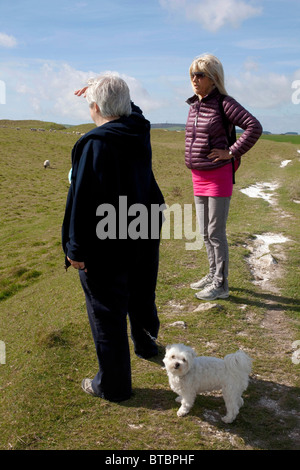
(194, 354)
(191, 353)
(168, 347)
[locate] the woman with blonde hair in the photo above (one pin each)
(213, 160)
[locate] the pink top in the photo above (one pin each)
(214, 183)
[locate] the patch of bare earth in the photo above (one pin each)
(281, 397)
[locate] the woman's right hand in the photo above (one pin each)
(81, 91)
(218, 154)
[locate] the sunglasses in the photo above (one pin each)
(198, 74)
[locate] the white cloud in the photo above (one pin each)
(140, 95)
(261, 91)
(49, 89)
(45, 90)
(215, 14)
(267, 43)
(251, 64)
(7, 41)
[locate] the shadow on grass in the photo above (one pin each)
(269, 419)
(260, 299)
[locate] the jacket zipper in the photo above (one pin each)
(194, 131)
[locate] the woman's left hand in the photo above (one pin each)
(217, 155)
(77, 264)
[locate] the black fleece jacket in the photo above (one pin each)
(110, 161)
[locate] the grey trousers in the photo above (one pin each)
(212, 213)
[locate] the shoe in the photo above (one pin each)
(86, 386)
(204, 282)
(213, 292)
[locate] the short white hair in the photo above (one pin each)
(111, 93)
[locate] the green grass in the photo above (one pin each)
(49, 348)
(289, 138)
(28, 124)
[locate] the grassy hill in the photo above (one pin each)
(27, 124)
(44, 324)
(288, 138)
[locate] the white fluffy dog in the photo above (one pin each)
(190, 375)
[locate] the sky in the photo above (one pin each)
(48, 49)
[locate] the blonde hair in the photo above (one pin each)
(212, 67)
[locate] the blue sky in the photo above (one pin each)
(49, 49)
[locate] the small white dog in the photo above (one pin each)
(190, 375)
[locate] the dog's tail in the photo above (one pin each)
(239, 364)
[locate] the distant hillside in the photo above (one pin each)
(181, 127)
(27, 124)
(82, 128)
(178, 127)
(170, 127)
(292, 137)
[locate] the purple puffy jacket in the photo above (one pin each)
(205, 130)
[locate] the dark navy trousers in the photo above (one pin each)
(114, 291)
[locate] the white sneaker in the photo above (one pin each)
(204, 282)
(86, 385)
(213, 292)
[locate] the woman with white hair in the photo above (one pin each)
(118, 274)
(213, 159)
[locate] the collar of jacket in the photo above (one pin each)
(194, 99)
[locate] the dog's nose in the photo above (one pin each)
(176, 365)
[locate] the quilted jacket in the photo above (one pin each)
(205, 130)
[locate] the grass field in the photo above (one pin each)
(44, 325)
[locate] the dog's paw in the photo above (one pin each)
(227, 419)
(181, 412)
